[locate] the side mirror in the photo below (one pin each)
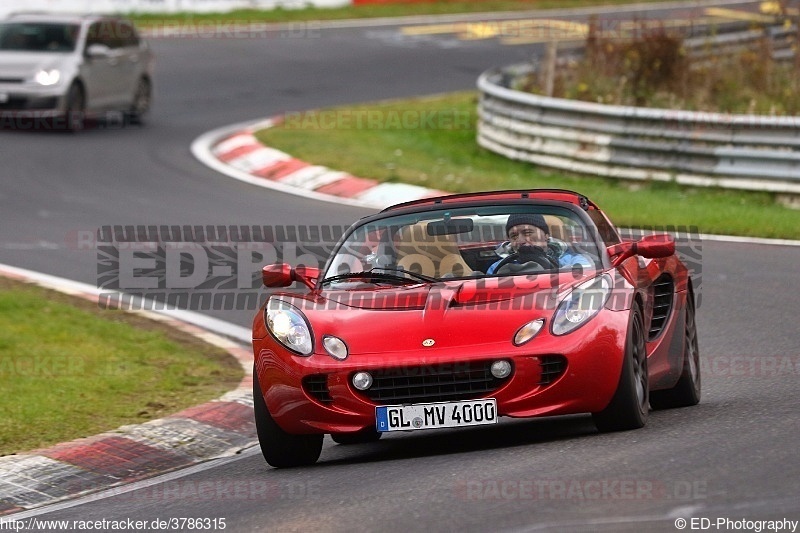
(279, 275)
(658, 245)
(98, 51)
(650, 247)
(283, 275)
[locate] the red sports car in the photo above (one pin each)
(453, 311)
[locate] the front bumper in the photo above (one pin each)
(20, 99)
(315, 394)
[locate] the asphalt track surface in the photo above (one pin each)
(733, 456)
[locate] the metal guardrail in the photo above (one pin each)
(780, 39)
(753, 152)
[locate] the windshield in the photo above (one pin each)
(38, 37)
(464, 243)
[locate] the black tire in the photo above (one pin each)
(687, 391)
(75, 111)
(142, 99)
(281, 449)
(359, 437)
(629, 407)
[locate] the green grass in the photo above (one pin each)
(71, 370)
(370, 141)
(365, 11)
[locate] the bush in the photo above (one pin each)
(652, 68)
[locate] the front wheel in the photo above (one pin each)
(281, 449)
(75, 111)
(629, 407)
(142, 100)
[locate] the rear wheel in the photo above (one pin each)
(686, 392)
(281, 449)
(359, 437)
(629, 407)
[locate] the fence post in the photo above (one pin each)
(551, 54)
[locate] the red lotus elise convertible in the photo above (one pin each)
(454, 311)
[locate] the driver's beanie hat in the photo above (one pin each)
(527, 218)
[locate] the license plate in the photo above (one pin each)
(3, 98)
(436, 415)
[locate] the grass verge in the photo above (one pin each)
(70, 369)
(431, 142)
(244, 16)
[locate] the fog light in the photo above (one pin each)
(501, 369)
(362, 380)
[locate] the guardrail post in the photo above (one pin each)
(551, 54)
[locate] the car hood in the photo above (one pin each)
(452, 314)
(24, 65)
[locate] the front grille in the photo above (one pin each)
(14, 103)
(316, 386)
(433, 383)
(663, 289)
(553, 366)
(11, 80)
(21, 103)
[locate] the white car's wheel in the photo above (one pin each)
(75, 110)
(142, 100)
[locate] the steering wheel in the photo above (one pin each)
(535, 263)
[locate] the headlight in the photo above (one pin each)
(288, 325)
(47, 77)
(581, 304)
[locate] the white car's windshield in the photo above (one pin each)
(38, 37)
(463, 243)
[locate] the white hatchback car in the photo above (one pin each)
(71, 66)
